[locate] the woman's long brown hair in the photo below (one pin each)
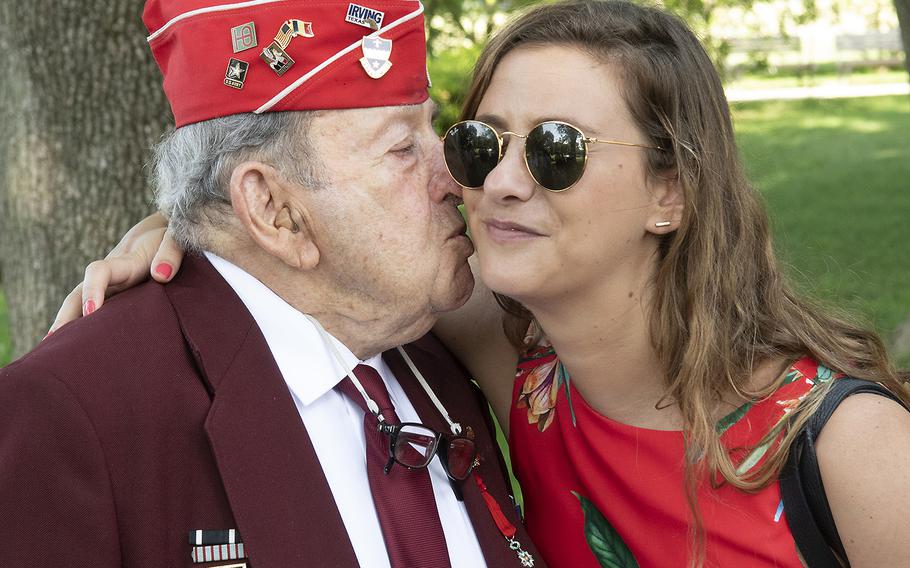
(720, 304)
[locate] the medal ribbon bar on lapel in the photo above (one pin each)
(203, 538)
(215, 553)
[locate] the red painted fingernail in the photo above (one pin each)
(164, 270)
(88, 308)
(50, 333)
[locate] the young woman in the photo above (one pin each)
(664, 365)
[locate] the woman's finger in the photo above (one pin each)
(69, 311)
(106, 277)
(167, 259)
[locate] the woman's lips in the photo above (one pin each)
(507, 231)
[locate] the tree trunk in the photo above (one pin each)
(903, 16)
(81, 102)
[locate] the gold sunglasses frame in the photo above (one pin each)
(499, 137)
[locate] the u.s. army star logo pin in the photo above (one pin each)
(236, 73)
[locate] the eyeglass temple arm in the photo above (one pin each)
(617, 143)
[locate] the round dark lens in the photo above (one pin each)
(471, 151)
(556, 155)
(461, 454)
(415, 446)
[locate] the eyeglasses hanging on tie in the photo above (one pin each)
(411, 444)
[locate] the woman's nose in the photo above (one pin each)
(510, 178)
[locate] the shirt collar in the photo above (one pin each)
(305, 359)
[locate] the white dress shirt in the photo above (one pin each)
(335, 423)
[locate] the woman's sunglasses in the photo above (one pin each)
(555, 153)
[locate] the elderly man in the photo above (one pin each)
(256, 412)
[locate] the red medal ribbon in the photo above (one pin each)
(507, 529)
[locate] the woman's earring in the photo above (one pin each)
(662, 224)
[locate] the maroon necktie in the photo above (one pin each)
(404, 498)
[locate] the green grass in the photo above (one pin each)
(4, 332)
(836, 176)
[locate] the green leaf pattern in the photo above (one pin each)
(606, 544)
(729, 420)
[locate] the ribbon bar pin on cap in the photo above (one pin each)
(221, 58)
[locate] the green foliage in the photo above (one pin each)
(451, 75)
(465, 23)
(456, 32)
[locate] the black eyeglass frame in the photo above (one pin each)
(442, 450)
(499, 138)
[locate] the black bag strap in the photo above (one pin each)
(803, 493)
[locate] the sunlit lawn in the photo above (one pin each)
(836, 176)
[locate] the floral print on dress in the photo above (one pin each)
(604, 541)
(541, 374)
(749, 433)
(540, 387)
(802, 378)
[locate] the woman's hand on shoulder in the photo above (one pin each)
(864, 456)
(144, 249)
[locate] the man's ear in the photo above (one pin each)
(264, 202)
(667, 205)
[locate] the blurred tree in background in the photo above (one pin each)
(903, 16)
(80, 104)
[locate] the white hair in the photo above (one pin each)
(193, 164)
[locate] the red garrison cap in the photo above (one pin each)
(220, 58)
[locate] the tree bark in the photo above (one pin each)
(903, 16)
(80, 104)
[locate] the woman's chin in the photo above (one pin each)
(513, 284)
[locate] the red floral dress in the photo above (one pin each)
(599, 493)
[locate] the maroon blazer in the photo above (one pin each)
(164, 412)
